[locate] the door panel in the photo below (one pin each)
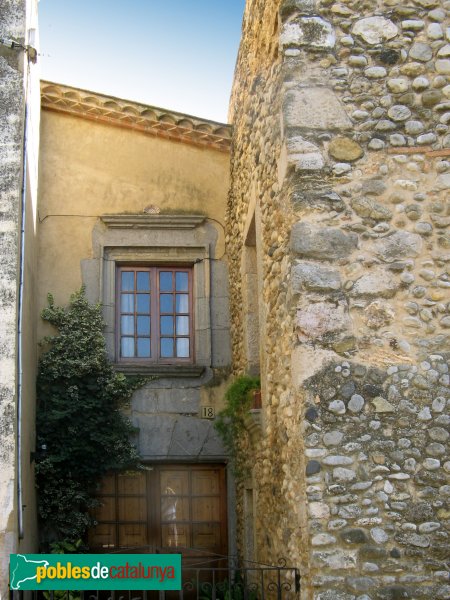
(205, 482)
(132, 535)
(167, 508)
(174, 482)
(131, 483)
(205, 509)
(132, 509)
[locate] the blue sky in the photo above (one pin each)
(176, 54)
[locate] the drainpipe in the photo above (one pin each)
(20, 318)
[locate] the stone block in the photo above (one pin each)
(382, 406)
(219, 278)
(303, 6)
(345, 149)
(401, 244)
(155, 435)
(213, 446)
(354, 536)
(335, 559)
(220, 313)
(203, 346)
(310, 276)
(315, 108)
(306, 362)
(166, 400)
(319, 510)
(313, 32)
(366, 207)
(189, 436)
(322, 243)
(378, 282)
(375, 30)
(202, 313)
(221, 348)
(442, 182)
(316, 320)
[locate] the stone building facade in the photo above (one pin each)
(19, 138)
(337, 223)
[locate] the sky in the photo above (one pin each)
(174, 54)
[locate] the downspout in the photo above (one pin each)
(20, 318)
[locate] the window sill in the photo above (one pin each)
(160, 370)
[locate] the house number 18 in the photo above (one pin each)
(208, 412)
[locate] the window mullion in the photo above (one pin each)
(154, 317)
(135, 315)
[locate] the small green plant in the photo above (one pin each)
(81, 433)
(231, 421)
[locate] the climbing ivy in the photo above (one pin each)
(81, 434)
(231, 421)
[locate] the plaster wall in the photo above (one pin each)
(18, 164)
(89, 170)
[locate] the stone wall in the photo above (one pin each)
(343, 140)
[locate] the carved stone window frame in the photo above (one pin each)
(184, 240)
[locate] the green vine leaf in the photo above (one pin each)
(231, 421)
(81, 433)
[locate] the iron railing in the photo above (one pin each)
(216, 578)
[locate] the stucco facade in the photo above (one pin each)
(340, 165)
(19, 135)
(127, 184)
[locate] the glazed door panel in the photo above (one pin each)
(170, 508)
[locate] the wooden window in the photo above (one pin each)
(154, 314)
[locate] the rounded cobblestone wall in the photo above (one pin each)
(341, 141)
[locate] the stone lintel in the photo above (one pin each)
(161, 371)
(153, 221)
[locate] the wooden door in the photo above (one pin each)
(167, 508)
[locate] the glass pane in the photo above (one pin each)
(174, 483)
(182, 303)
(166, 325)
(182, 325)
(127, 325)
(165, 281)
(182, 282)
(127, 347)
(127, 303)
(166, 303)
(127, 281)
(166, 347)
(143, 347)
(143, 325)
(174, 508)
(143, 281)
(143, 303)
(183, 347)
